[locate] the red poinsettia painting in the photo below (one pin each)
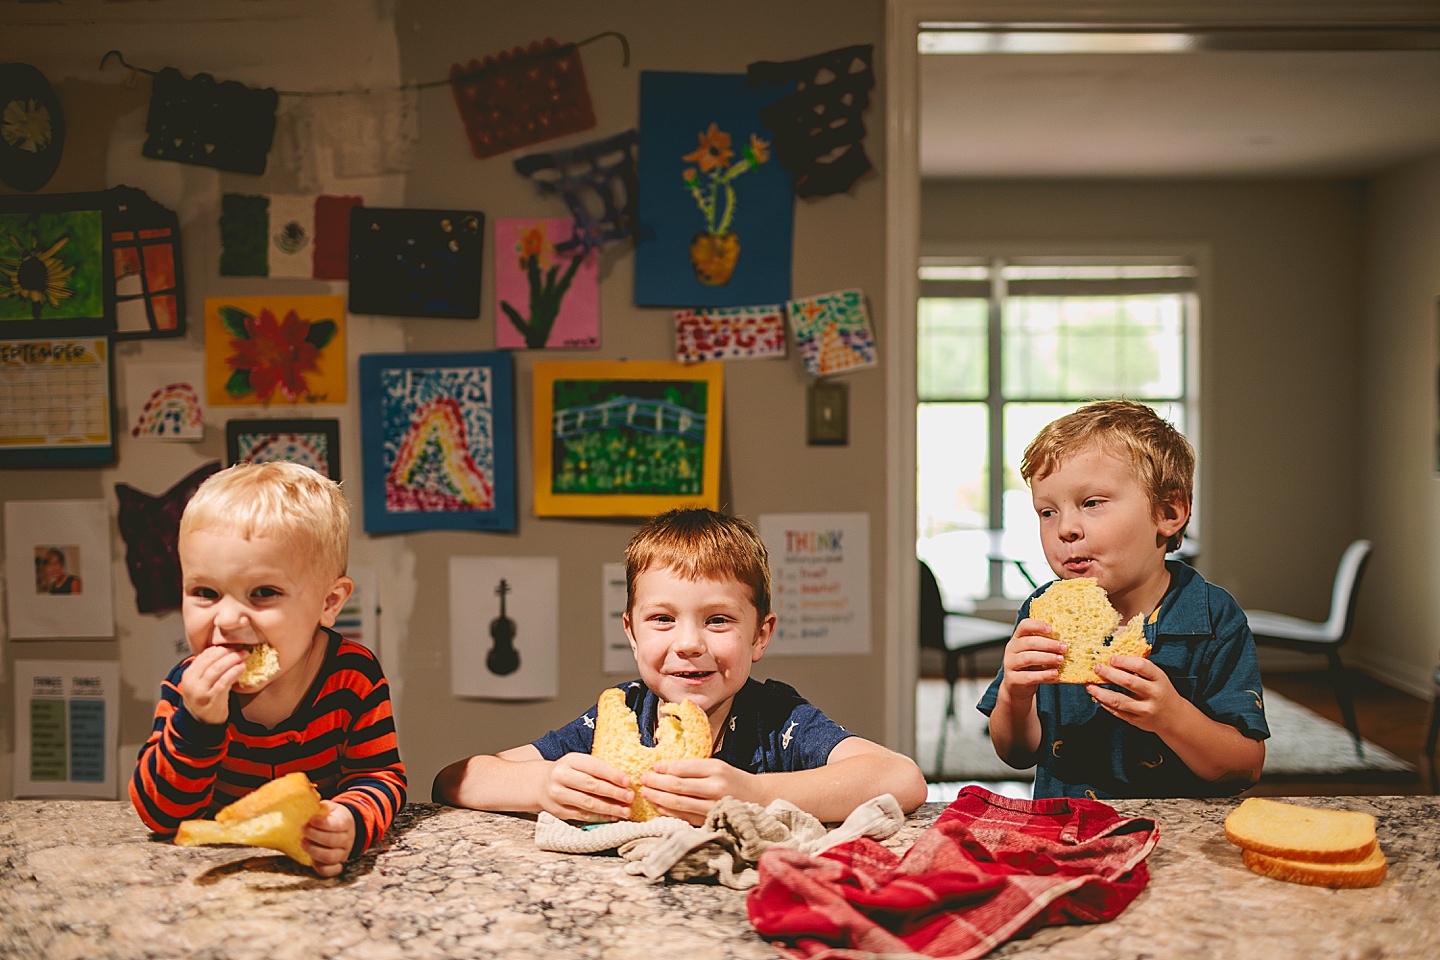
(275, 350)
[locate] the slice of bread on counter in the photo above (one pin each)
(1288, 841)
(1079, 613)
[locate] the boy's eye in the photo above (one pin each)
(717, 620)
(265, 593)
(1093, 502)
(203, 593)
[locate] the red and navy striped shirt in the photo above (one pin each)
(342, 736)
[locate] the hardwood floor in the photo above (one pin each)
(1387, 717)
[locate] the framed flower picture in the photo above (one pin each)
(263, 350)
(437, 433)
(314, 443)
(623, 439)
(56, 276)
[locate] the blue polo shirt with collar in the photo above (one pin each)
(1200, 637)
(771, 729)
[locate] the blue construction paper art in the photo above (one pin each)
(716, 211)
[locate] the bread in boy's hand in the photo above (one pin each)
(261, 664)
(682, 733)
(272, 816)
(1300, 844)
(1080, 614)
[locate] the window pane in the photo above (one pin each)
(1093, 346)
(952, 351)
(952, 497)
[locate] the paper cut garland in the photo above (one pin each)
(149, 281)
(296, 236)
(819, 134)
(199, 121)
(729, 333)
(150, 527)
(32, 127)
(832, 332)
(522, 96)
(602, 169)
(415, 263)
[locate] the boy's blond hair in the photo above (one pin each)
(700, 544)
(276, 499)
(1163, 460)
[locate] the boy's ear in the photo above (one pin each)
(1174, 514)
(762, 637)
(629, 633)
(335, 599)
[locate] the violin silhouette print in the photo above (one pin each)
(502, 659)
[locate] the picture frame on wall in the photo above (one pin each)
(56, 271)
(437, 435)
(626, 439)
(314, 443)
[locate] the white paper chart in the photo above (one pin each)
(820, 581)
(56, 403)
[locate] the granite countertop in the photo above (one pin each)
(84, 879)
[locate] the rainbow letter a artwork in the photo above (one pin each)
(438, 441)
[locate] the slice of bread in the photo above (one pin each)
(261, 663)
(272, 816)
(1290, 831)
(682, 732)
(1366, 872)
(1080, 614)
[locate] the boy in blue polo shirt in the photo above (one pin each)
(697, 616)
(1112, 485)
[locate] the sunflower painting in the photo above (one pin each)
(52, 266)
(274, 350)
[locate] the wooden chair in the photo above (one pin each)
(1307, 636)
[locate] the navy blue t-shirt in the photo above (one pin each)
(771, 729)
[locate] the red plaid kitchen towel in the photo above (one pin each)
(988, 869)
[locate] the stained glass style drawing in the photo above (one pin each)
(149, 280)
(832, 332)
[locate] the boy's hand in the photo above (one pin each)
(328, 838)
(579, 786)
(205, 684)
(1032, 657)
(689, 788)
(1151, 696)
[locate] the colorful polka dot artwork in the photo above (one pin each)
(832, 332)
(729, 333)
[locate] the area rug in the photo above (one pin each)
(1303, 745)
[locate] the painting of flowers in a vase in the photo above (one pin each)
(715, 210)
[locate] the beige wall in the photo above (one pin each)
(332, 44)
(1280, 330)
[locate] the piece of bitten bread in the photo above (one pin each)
(1291, 831)
(1366, 872)
(683, 733)
(1080, 614)
(272, 816)
(261, 664)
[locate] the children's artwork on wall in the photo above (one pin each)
(150, 527)
(522, 96)
(504, 627)
(149, 280)
(438, 441)
(67, 545)
(261, 350)
(371, 134)
(600, 173)
(294, 236)
(314, 443)
(200, 121)
(729, 333)
(832, 332)
(56, 278)
(162, 400)
(415, 263)
(544, 298)
(56, 402)
(626, 439)
(715, 214)
(32, 127)
(819, 133)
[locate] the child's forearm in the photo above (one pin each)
(489, 782)
(832, 792)
(1015, 729)
(1213, 751)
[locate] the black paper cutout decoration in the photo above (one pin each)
(32, 127)
(601, 171)
(819, 134)
(200, 121)
(415, 263)
(522, 96)
(150, 527)
(149, 279)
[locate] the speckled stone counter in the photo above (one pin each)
(85, 880)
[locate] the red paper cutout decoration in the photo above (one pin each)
(522, 96)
